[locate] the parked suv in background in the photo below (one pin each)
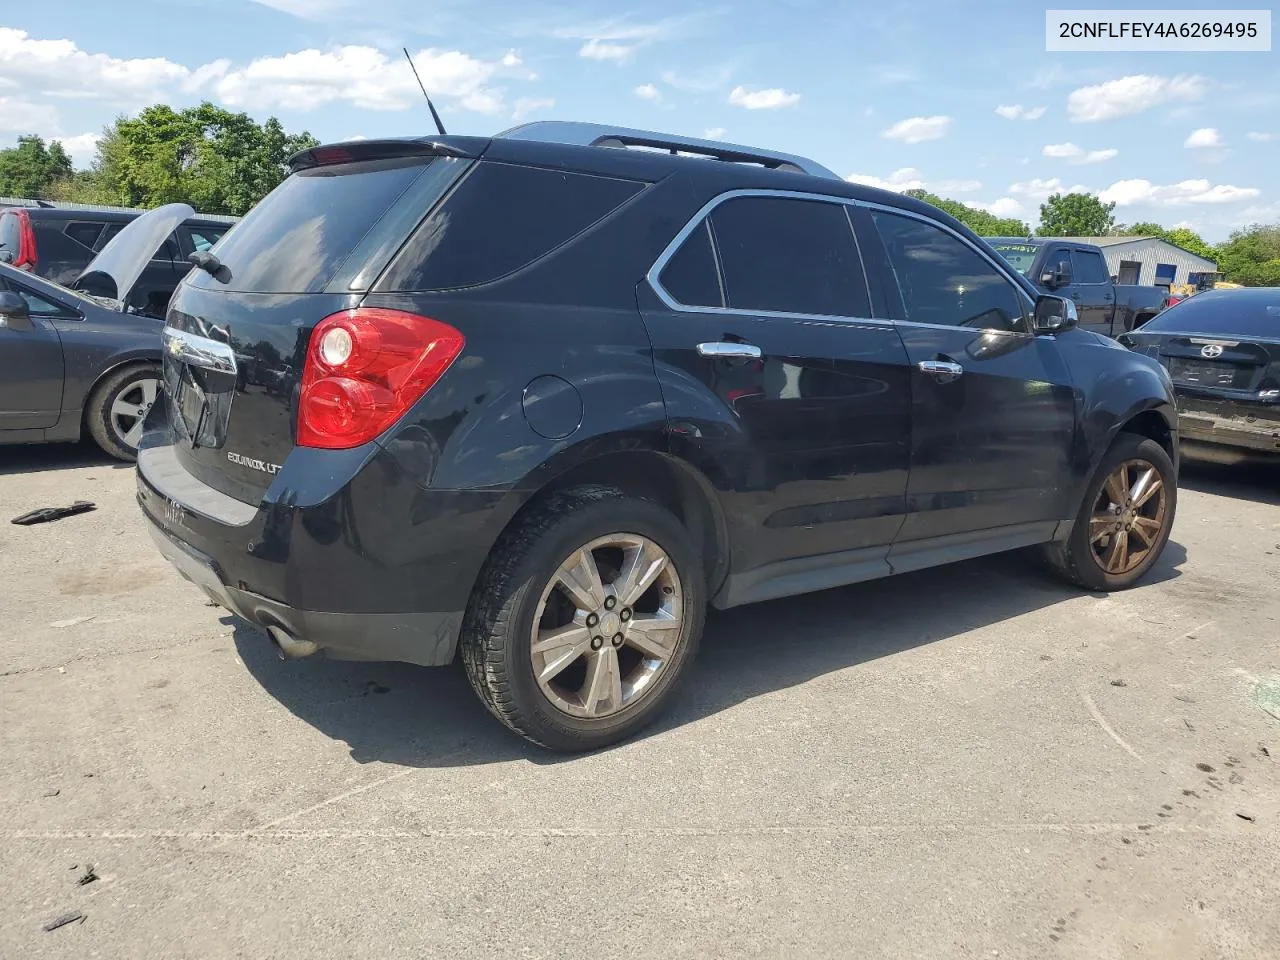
(57, 243)
(1070, 268)
(542, 398)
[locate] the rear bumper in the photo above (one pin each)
(356, 572)
(1234, 423)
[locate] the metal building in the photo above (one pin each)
(1151, 261)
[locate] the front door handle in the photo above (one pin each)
(722, 349)
(944, 371)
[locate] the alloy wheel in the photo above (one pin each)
(130, 408)
(1129, 517)
(609, 623)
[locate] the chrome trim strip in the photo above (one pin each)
(197, 351)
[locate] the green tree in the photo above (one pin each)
(1075, 215)
(1252, 256)
(215, 160)
(981, 222)
(31, 169)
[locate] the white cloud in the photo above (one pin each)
(59, 68)
(1037, 189)
(527, 105)
(1132, 94)
(1204, 137)
(1258, 137)
(773, 98)
(917, 129)
(81, 148)
(704, 80)
(1016, 111)
(1124, 193)
(362, 76)
(604, 50)
(1073, 154)
(713, 133)
(22, 116)
(1004, 207)
(511, 59)
(909, 178)
(647, 91)
(888, 75)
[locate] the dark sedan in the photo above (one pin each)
(1222, 351)
(82, 361)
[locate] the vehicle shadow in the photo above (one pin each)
(1240, 477)
(39, 458)
(429, 717)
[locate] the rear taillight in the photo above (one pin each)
(26, 259)
(364, 369)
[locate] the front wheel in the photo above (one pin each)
(585, 619)
(1125, 520)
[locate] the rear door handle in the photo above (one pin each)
(722, 349)
(941, 370)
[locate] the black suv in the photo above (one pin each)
(57, 243)
(542, 398)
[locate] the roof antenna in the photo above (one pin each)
(430, 106)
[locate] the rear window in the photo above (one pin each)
(1020, 256)
(302, 233)
(1246, 317)
(502, 218)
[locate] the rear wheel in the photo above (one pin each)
(585, 619)
(1125, 520)
(118, 407)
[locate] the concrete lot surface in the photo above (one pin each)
(967, 762)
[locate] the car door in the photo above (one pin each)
(1091, 289)
(993, 407)
(31, 365)
(781, 387)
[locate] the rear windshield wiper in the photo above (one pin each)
(210, 264)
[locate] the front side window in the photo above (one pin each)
(204, 238)
(36, 304)
(1090, 267)
(945, 282)
(780, 254)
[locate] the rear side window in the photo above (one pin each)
(84, 232)
(789, 256)
(502, 217)
(691, 275)
(302, 232)
(1090, 267)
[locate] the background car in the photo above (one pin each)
(72, 362)
(57, 243)
(1222, 351)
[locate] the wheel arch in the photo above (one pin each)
(132, 359)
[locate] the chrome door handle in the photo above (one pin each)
(721, 349)
(942, 369)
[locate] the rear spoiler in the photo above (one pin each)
(354, 151)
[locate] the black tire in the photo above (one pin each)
(1075, 559)
(497, 633)
(125, 383)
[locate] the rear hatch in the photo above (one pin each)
(238, 330)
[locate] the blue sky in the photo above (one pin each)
(960, 99)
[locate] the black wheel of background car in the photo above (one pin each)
(119, 405)
(585, 619)
(1125, 520)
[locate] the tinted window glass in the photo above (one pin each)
(501, 218)
(202, 238)
(38, 305)
(792, 256)
(1090, 267)
(298, 236)
(169, 250)
(944, 281)
(691, 275)
(111, 231)
(84, 233)
(1246, 315)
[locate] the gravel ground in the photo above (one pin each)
(966, 762)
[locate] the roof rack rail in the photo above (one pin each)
(603, 135)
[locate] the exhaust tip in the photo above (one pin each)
(289, 645)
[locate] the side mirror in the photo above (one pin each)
(1049, 279)
(1053, 315)
(14, 312)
